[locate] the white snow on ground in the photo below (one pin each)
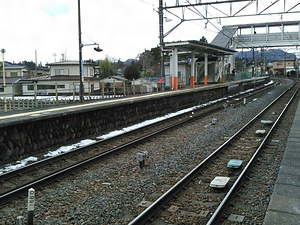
(86, 142)
(18, 164)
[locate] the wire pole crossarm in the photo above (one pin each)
(206, 3)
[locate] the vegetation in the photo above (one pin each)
(132, 72)
(149, 62)
(203, 39)
(105, 68)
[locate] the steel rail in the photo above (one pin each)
(217, 215)
(53, 159)
(42, 181)
(167, 196)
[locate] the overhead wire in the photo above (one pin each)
(208, 20)
(279, 25)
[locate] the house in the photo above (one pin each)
(284, 66)
(39, 71)
(14, 70)
(63, 79)
(13, 74)
(144, 85)
(59, 77)
(117, 84)
(71, 68)
(12, 86)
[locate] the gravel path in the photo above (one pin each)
(109, 192)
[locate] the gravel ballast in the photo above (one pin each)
(109, 192)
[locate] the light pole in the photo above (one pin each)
(4, 83)
(161, 40)
(97, 49)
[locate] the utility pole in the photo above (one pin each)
(161, 38)
(81, 89)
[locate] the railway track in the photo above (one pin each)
(195, 199)
(38, 174)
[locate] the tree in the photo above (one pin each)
(31, 65)
(132, 72)
(149, 62)
(105, 68)
(203, 39)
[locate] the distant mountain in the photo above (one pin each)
(268, 55)
(128, 62)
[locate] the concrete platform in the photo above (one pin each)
(284, 206)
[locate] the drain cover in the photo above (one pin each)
(266, 122)
(219, 182)
(234, 163)
(145, 203)
(203, 213)
(173, 208)
(260, 132)
(236, 218)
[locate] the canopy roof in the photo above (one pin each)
(198, 47)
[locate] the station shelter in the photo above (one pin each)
(195, 62)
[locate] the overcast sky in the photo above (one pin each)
(123, 28)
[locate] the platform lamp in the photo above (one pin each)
(4, 83)
(97, 49)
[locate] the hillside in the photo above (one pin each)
(268, 55)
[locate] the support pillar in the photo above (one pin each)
(223, 69)
(175, 75)
(192, 80)
(205, 69)
(171, 70)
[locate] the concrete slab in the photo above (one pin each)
(279, 218)
(292, 146)
(288, 191)
(293, 139)
(295, 131)
(291, 170)
(291, 160)
(285, 204)
(289, 179)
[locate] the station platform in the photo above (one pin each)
(284, 205)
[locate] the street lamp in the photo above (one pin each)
(97, 49)
(4, 83)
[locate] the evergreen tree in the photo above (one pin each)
(203, 39)
(132, 72)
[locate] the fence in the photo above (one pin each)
(29, 102)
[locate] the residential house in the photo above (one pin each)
(39, 71)
(14, 70)
(63, 79)
(284, 66)
(114, 84)
(144, 85)
(13, 74)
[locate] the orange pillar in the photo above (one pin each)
(205, 80)
(192, 80)
(175, 83)
(175, 58)
(205, 69)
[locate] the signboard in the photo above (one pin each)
(160, 80)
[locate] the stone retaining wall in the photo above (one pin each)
(28, 138)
